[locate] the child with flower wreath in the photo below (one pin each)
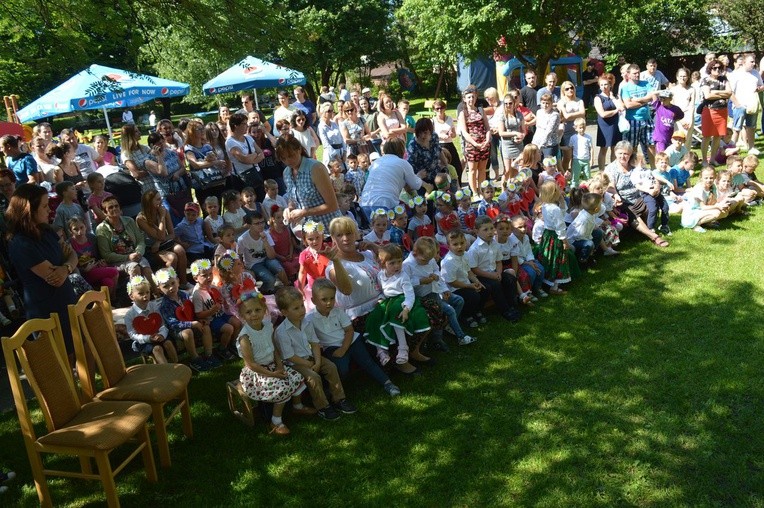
(419, 223)
(380, 223)
(144, 324)
(465, 211)
(177, 311)
(236, 280)
(487, 206)
(208, 306)
(313, 259)
(398, 234)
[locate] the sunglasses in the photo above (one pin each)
(567, 89)
(716, 68)
(438, 109)
(349, 110)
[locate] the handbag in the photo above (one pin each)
(699, 109)
(203, 179)
(252, 176)
(623, 123)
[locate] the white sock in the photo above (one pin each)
(403, 346)
(297, 405)
(276, 420)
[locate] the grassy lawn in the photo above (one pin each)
(642, 386)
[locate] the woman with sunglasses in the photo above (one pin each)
(354, 130)
(302, 130)
(713, 119)
(511, 132)
(444, 128)
(571, 108)
(608, 106)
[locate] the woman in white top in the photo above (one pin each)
(304, 133)
(45, 164)
(330, 135)
(244, 154)
(391, 123)
(388, 176)
(571, 108)
(446, 132)
(684, 97)
(354, 130)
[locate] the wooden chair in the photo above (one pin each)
(89, 430)
(95, 343)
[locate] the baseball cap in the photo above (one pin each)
(366, 90)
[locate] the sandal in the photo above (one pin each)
(557, 291)
(660, 242)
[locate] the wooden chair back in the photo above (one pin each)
(38, 347)
(94, 336)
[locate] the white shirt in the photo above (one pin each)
(135, 311)
(247, 147)
(744, 84)
(416, 272)
(505, 249)
(397, 284)
(455, 268)
(582, 147)
(581, 228)
(293, 341)
(372, 237)
(642, 176)
(553, 219)
(366, 288)
(330, 330)
(655, 81)
(522, 249)
(260, 341)
(85, 157)
(388, 175)
(252, 251)
(483, 255)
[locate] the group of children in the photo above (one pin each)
(442, 256)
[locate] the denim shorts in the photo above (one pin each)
(741, 120)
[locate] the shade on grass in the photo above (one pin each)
(642, 386)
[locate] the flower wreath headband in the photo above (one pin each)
(312, 227)
(417, 201)
(250, 295)
(463, 193)
(486, 183)
(550, 161)
(227, 260)
(443, 196)
(381, 212)
(135, 282)
(502, 217)
(164, 275)
(200, 265)
(399, 210)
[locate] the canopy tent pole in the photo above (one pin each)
(108, 125)
(257, 106)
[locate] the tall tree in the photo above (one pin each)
(746, 18)
(541, 29)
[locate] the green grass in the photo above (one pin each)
(642, 386)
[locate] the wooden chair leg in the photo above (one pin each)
(185, 413)
(86, 465)
(160, 429)
(40, 482)
(107, 479)
(148, 456)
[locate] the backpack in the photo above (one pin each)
(372, 123)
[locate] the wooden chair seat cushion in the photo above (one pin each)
(150, 383)
(100, 426)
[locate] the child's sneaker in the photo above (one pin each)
(542, 293)
(329, 413)
(699, 229)
(466, 340)
(4, 321)
(211, 361)
(481, 318)
(383, 357)
(533, 298)
(470, 322)
(198, 364)
(391, 389)
(225, 354)
(345, 406)
(665, 230)
(611, 252)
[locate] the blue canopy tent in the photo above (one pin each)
(100, 87)
(253, 73)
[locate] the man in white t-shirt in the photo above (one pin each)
(653, 76)
(86, 157)
(127, 117)
(746, 84)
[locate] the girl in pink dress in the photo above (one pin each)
(313, 261)
(285, 244)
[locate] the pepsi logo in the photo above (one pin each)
(119, 103)
(83, 103)
(212, 90)
(165, 91)
(281, 81)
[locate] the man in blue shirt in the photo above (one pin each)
(22, 164)
(637, 96)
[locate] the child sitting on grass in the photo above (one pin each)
(272, 196)
(380, 222)
(313, 259)
(213, 218)
(298, 345)
(529, 272)
(457, 274)
(177, 311)
(208, 306)
(583, 232)
(144, 324)
(702, 206)
(236, 280)
(264, 377)
(338, 340)
(233, 213)
(284, 242)
(194, 234)
(419, 223)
